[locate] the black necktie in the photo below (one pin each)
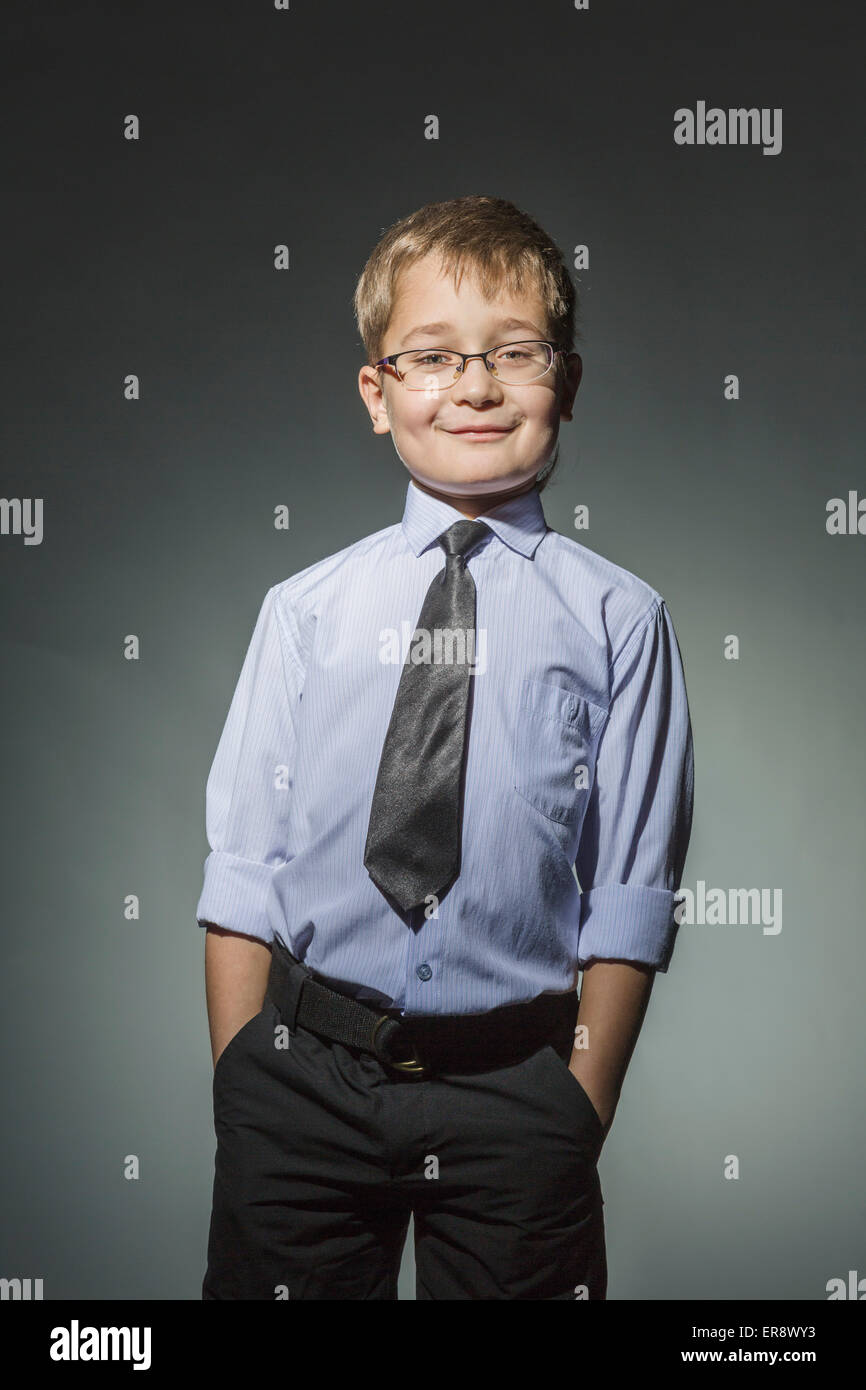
(413, 840)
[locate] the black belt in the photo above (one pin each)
(420, 1045)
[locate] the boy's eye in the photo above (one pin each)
(428, 359)
(514, 354)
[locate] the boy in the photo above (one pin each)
(394, 926)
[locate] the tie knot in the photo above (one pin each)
(463, 537)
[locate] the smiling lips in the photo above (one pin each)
(483, 432)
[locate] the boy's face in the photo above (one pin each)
(472, 471)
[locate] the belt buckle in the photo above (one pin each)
(413, 1066)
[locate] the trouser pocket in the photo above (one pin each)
(574, 1093)
(235, 1044)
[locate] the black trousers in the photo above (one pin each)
(323, 1153)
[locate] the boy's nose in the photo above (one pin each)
(475, 379)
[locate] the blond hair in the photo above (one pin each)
(502, 248)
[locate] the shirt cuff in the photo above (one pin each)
(235, 895)
(623, 921)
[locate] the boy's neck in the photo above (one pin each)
(473, 507)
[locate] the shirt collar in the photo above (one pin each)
(519, 521)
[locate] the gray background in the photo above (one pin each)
(155, 257)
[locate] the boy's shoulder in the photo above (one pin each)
(622, 599)
(359, 554)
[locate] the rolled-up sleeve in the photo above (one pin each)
(249, 785)
(638, 821)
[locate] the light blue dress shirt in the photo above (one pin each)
(579, 758)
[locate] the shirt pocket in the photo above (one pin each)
(558, 731)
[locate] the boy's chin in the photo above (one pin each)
(473, 478)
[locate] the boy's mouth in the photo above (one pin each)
(482, 433)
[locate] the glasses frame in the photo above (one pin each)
(391, 361)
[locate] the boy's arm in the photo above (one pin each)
(633, 847)
(613, 1001)
(248, 803)
(236, 977)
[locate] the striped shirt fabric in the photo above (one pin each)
(577, 802)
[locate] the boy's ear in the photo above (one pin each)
(571, 383)
(373, 396)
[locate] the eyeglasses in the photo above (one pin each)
(437, 369)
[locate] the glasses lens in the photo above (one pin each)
(428, 369)
(435, 369)
(519, 362)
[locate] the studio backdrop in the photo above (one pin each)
(191, 196)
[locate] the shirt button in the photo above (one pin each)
(423, 971)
